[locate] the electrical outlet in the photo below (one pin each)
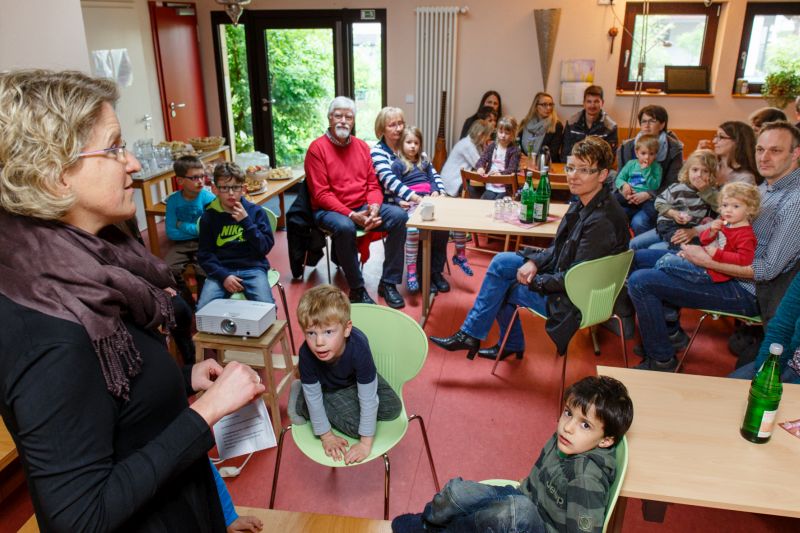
(605, 2)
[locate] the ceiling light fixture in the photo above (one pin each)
(234, 8)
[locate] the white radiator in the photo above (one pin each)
(437, 36)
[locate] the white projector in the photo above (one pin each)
(243, 318)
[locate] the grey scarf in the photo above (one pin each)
(533, 134)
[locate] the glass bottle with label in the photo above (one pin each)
(526, 200)
(541, 198)
(764, 398)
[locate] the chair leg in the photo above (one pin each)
(691, 341)
(277, 466)
(288, 318)
(563, 381)
(328, 257)
(622, 341)
(386, 480)
(427, 448)
(593, 333)
(505, 338)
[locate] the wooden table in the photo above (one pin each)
(469, 215)
(684, 445)
(147, 182)
(256, 353)
(292, 522)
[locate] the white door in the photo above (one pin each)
(125, 24)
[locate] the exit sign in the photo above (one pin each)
(367, 14)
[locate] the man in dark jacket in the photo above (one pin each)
(595, 226)
(591, 120)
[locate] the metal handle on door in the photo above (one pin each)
(266, 102)
(173, 106)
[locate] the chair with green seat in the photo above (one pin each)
(399, 348)
(592, 287)
(613, 490)
(715, 315)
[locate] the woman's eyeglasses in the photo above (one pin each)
(542, 104)
(580, 171)
(648, 122)
(120, 153)
(719, 137)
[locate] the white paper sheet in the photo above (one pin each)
(247, 430)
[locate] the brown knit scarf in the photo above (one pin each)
(93, 280)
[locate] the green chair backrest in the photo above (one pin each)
(613, 491)
(593, 286)
(273, 218)
(399, 346)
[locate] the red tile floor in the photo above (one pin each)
(480, 426)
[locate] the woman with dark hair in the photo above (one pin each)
(489, 99)
(735, 147)
(653, 121)
(97, 407)
(541, 127)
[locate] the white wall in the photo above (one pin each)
(42, 33)
(498, 50)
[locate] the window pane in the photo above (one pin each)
(237, 84)
(367, 75)
(671, 40)
(774, 39)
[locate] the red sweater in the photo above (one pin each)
(735, 246)
(341, 178)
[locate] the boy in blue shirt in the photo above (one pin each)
(235, 238)
(340, 385)
(184, 209)
(568, 486)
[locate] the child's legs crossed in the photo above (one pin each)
(344, 411)
(389, 403)
(256, 285)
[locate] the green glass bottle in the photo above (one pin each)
(526, 200)
(764, 398)
(541, 198)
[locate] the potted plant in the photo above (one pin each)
(782, 84)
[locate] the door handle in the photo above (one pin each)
(173, 106)
(266, 102)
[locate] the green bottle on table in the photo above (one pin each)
(764, 398)
(541, 198)
(526, 199)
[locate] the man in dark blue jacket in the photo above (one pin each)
(235, 238)
(592, 120)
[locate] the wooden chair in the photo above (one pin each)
(468, 176)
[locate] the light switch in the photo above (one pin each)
(409, 98)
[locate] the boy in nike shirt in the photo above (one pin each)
(568, 487)
(235, 238)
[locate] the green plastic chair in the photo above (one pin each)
(399, 348)
(593, 287)
(613, 491)
(748, 320)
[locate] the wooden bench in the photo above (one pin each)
(290, 522)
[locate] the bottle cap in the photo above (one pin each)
(776, 348)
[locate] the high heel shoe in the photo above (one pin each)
(491, 353)
(458, 341)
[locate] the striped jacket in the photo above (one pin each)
(571, 491)
(393, 187)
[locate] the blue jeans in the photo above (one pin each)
(648, 257)
(649, 239)
(678, 266)
(642, 216)
(344, 237)
(748, 371)
(468, 506)
(654, 293)
(254, 280)
(499, 295)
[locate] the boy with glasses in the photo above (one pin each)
(235, 237)
(184, 208)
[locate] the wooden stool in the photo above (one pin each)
(256, 353)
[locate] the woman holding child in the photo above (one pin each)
(389, 127)
(593, 227)
(95, 403)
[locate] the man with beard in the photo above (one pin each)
(346, 196)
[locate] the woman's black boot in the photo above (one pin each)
(459, 341)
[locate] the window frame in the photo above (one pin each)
(632, 9)
(754, 9)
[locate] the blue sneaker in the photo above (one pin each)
(461, 262)
(412, 283)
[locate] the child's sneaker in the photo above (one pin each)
(295, 390)
(411, 282)
(408, 523)
(461, 262)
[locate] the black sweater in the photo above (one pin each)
(94, 463)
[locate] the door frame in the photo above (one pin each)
(255, 22)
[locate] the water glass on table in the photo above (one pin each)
(499, 209)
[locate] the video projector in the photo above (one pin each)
(243, 318)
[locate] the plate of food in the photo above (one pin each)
(281, 173)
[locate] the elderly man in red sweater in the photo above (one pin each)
(346, 196)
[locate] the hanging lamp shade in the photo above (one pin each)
(234, 8)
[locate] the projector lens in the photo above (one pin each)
(228, 326)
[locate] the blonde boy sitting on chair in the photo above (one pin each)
(341, 388)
